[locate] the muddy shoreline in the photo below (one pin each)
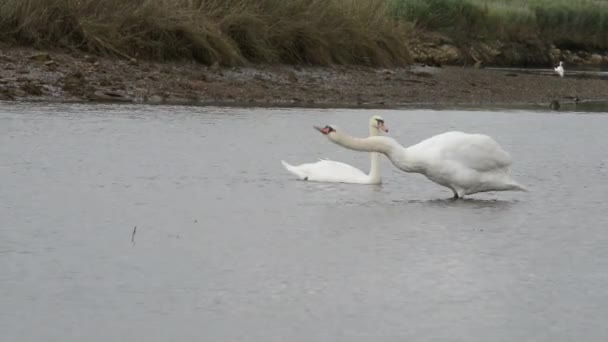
(58, 76)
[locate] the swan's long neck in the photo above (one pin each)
(370, 144)
(374, 169)
(398, 155)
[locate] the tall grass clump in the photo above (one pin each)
(457, 17)
(577, 24)
(230, 32)
(316, 32)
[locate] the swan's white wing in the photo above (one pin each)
(479, 152)
(328, 171)
(475, 151)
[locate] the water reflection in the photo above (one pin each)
(471, 203)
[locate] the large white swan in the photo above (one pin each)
(337, 172)
(464, 163)
(560, 69)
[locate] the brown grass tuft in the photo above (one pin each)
(230, 32)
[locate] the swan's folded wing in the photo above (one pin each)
(479, 152)
(327, 171)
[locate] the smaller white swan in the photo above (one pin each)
(337, 172)
(560, 69)
(464, 163)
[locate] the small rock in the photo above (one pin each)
(32, 88)
(155, 99)
(112, 96)
(192, 96)
(596, 59)
(215, 67)
(6, 96)
(6, 59)
(50, 63)
(75, 84)
(576, 60)
(43, 56)
(23, 71)
(291, 77)
(90, 59)
(133, 61)
(20, 93)
(104, 82)
(423, 74)
(76, 74)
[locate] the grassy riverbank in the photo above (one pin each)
(317, 32)
(578, 24)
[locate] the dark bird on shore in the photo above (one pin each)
(554, 105)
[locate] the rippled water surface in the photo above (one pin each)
(229, 247)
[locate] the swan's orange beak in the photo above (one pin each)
(382, 127)
(324, 130)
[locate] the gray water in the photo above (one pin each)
(229, 247)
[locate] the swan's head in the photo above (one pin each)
(332, 132)
(377, 122)
(327, 130)
(561, 63)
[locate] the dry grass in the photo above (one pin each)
(319, 32)
(230, 32)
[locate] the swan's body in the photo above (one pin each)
(331, 171)
(465, 163)
(336, 172)
(560, 69)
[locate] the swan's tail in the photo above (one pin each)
(292, 169)
(518, 187)
(288, 166)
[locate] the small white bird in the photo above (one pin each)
(560, 69)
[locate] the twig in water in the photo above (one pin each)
(133, 235)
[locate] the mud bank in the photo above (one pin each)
(30, 75)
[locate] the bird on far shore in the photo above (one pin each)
(560, 69)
